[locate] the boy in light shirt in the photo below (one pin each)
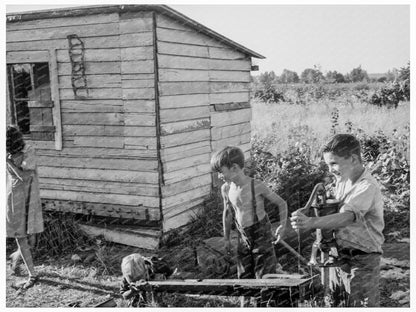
(358, 224)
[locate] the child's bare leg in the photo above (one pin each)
(23, 244)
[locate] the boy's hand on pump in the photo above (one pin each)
(299, 221)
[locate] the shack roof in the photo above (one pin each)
(101, 9)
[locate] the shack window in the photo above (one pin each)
(30, 92)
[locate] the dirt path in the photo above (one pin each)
(395, 275)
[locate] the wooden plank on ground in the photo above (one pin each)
(233, 287)
(123, 237)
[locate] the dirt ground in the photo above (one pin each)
(64, 283)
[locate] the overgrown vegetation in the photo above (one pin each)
(389, 92)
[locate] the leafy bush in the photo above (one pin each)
(389, 96)
(269, 95)
(292, 174)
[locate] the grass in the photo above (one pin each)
(276, 121)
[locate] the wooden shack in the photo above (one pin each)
(125, 105)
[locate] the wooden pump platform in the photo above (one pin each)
(288, 289)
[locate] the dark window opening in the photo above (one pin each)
(31, 103)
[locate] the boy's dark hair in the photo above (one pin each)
(14, 140)
(343, 145)
(227, 157)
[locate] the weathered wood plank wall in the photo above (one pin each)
(109, 159)
(196, 73)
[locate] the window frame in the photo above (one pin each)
(42, 56)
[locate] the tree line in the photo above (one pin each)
(315, 75)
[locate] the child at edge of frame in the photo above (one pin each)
(358, 226)
(24, 217)
(244, 196)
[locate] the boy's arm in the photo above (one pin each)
(226, 216)
(329, 222)
(277, 200)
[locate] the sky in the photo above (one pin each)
(340, 37)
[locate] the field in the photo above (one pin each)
(282, 133)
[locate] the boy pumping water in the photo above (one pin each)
(244, 195)
(358, 225)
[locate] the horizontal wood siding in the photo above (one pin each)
(195, 73)
(109, 154)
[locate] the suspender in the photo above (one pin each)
(253, 199)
